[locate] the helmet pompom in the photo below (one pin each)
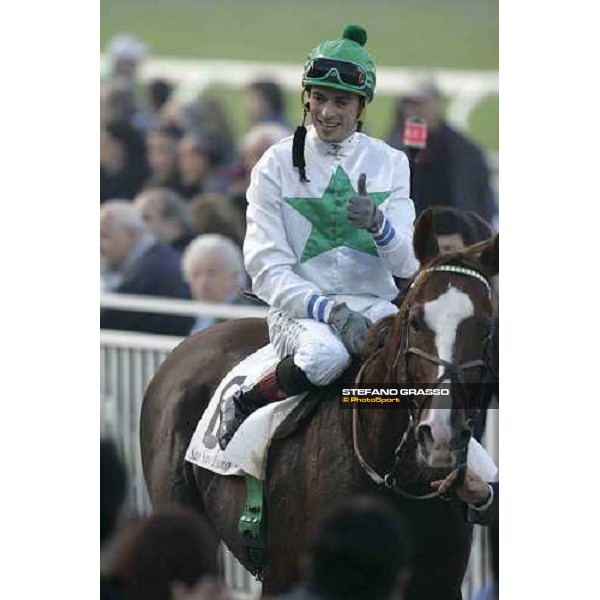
(356, 33)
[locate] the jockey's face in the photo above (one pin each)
(334, 113)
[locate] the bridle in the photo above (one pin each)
(453, 372)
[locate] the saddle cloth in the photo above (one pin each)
(248, 449)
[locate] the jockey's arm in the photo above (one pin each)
(394, 238)
(268, 256)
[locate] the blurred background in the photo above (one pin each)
(433, 34)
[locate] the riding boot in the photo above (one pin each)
(280, 382)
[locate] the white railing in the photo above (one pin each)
(128, 362)
(465, 89)
(172, 306)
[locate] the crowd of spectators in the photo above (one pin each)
(172, 190)
(360, 549)
(176, 164)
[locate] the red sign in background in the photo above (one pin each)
(415, 133)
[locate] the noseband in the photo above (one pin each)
(453, 372)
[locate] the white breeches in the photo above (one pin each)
(316, 347)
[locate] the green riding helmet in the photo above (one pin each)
(342, 64)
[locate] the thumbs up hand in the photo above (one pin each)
(362, 212)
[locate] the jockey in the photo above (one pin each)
(330, 222)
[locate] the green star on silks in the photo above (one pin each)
(327, 215)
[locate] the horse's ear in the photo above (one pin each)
(424, 238)
(489, 257)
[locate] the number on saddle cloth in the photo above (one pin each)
(211, 436)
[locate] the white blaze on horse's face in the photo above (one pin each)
(443, 316)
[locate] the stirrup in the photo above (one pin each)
(232, 417)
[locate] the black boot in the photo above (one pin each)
(281, 382)
(233, 414)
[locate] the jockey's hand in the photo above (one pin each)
(362, 212)
(351, 326)
(473, 490)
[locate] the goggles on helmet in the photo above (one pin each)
(345, 72)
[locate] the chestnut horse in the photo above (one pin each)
(439, 334)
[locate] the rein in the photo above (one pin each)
(451, 371)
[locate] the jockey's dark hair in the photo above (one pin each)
(298, 160)
(359, 550)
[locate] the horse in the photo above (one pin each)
(440, 333)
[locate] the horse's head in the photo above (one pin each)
(447, 325)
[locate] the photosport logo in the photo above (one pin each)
(403, 396)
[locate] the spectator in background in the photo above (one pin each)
(205, 116)
(215, 122)
(254, 144)
(118, 103)
(113, 486)
(166, 555)
(159, 91)
(360, 551)
(162, 143)
(265, 103)
(177, 113)
(123, 168)
(451, 170)
(259, 139)
(213, 266)
(199, 159)
(167, 217)
(125, 54)
(218, 213)
(134, 263)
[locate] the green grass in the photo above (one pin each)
(452, 34)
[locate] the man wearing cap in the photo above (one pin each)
(452, 170)
(125, 52)
(330, 222)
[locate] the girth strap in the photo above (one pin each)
(252, 525)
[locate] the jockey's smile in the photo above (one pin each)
(334, 113)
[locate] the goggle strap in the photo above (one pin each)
(298, 160)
